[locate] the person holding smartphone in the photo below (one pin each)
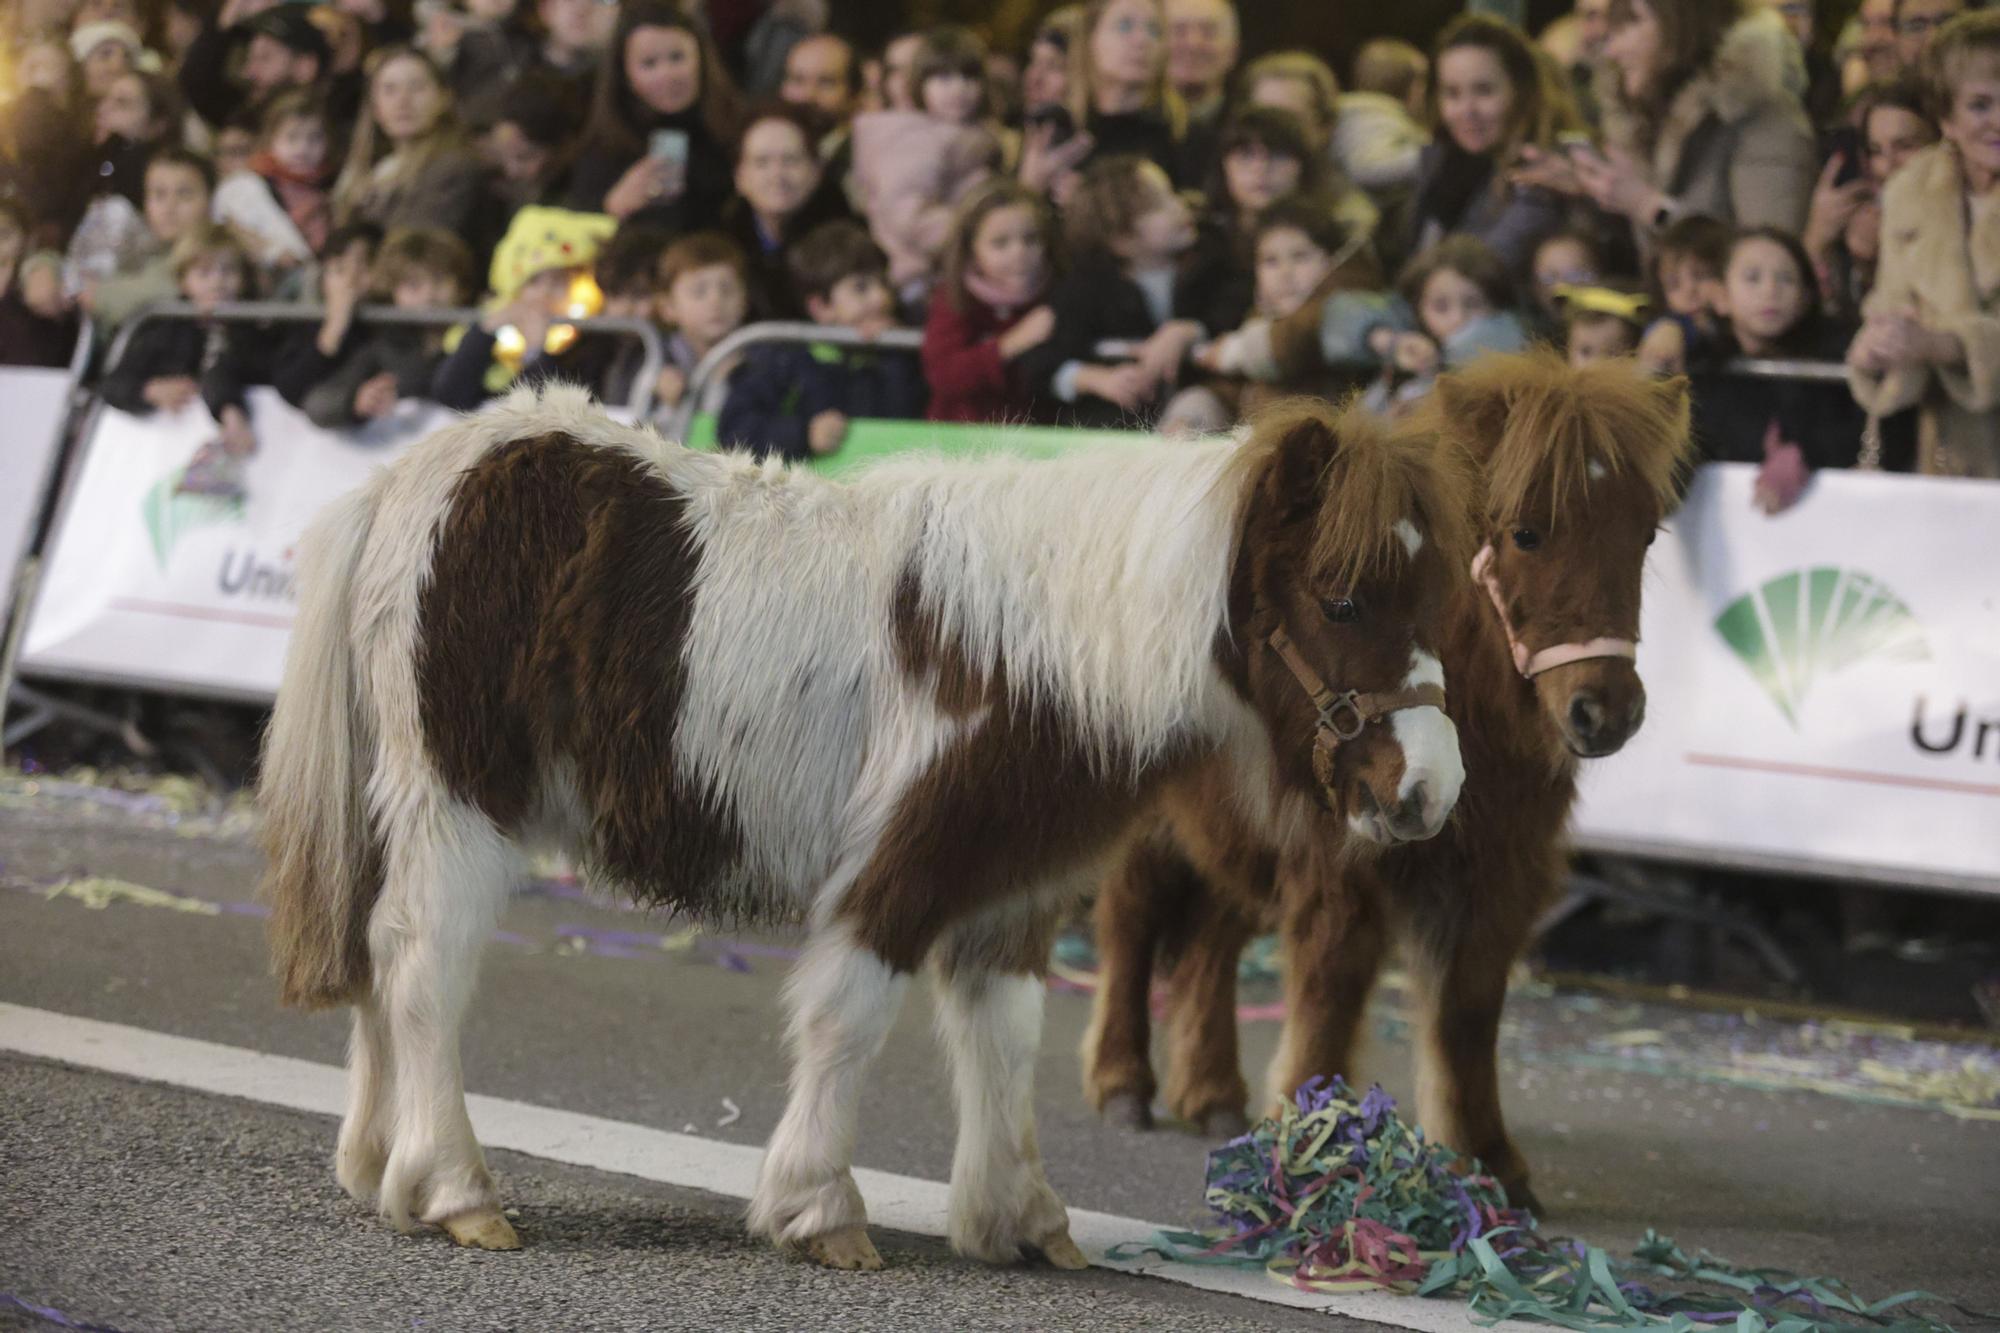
(662, 114)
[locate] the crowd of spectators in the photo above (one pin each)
(1131, 221)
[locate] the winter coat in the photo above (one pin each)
(1095, 302)
(246, 201)
(1377, 144)
(1513, 220)
(467, 375)
(910, 171)
(781, 388)
(969, 379)
(1929, 261)
(770, 287)
(410, 354)
(710, 176)
(446, 193)
(1734, 142)
(1732, 412)
(221, 358)
(30, 339)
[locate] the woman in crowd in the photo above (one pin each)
(661, 123)
(1932, 337)
(409, 163)
(1701, 115)
(1492, 100)
(781, 195)
(1119, 93)
(1844, 226)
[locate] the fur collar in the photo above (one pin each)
(1757, 65)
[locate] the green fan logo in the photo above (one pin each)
(1800, 627)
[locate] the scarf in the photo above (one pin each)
(304, 196)
(1005, 298)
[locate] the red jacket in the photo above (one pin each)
(969, 380)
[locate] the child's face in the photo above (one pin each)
(1008, 247)
(1258, 177)
(1600, 339)
(213, 279)
(1689, 285)
(233, 149)
(777, 172)
(176, 200)
(1450, 302)
(124, 111)
(521, 160)
(102, 66)
(1765, 291)
(299, 145)
(421, 289)
(706, 304)
(954, 96)
(1290, 266)
(1563, 262)
(1165, 229)
(857, 299)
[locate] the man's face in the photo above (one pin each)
(819, 73)
(1917, 21)
(1201, 44)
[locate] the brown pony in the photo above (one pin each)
(1580, 465)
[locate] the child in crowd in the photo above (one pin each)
(179, 187)
(796, 402)
(1127, 232)
(912, 168)
(704, 296)
(1687, 286)
(1453, 301)
(281, 202)
(991, 306)
(1566, 259)
(627, 273)
(36, 328)
(172, 363)
(524, 337)
(1300, 252)
(1770, 305)
(1600, 323)
(371, 370)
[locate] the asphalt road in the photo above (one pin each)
(137, 1206)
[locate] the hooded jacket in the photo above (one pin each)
(1733, 141)
(1935, 245)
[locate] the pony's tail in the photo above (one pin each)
(323, 862)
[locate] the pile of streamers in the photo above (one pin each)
(1340, 1194)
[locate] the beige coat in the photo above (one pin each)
(1734, 142)
(1927, 267)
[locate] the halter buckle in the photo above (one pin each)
(1345, 707)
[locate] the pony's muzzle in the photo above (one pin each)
(1419, 813)
(1597, 726)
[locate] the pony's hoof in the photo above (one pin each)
(1059, 1251)
(847, 1248)
(1224, 1123)
(1128, 1109)
(481, 1229)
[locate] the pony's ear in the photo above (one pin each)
(1299, 466)
(1672, 396)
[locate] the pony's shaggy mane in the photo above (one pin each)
(1553, 421)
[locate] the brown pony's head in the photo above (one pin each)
(1581, 465)
(1352, 539)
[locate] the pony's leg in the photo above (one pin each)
(1461, 985)
(1130, 913)
(1333, 939)
(843, 1000)
(990, 983)
(448, 872)
(363, 1151)
(1205, 1083)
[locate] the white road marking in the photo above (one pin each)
(896, 1203)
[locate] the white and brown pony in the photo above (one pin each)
(1578, 467)
(904, 709)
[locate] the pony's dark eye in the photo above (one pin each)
(1527, 539)
(1340, 610)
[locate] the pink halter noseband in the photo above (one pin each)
(1531, 665)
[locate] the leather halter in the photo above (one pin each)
(1344, 716)
(1531, 665)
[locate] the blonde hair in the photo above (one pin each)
(1967, 40)
(368, 148)
(1300, 67)
(205, 242)
(1083, 73)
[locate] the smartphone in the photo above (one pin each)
(668, 146)
(1846, 141)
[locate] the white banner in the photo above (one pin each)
(147, 584)
(1823, 687)
(31, 403)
